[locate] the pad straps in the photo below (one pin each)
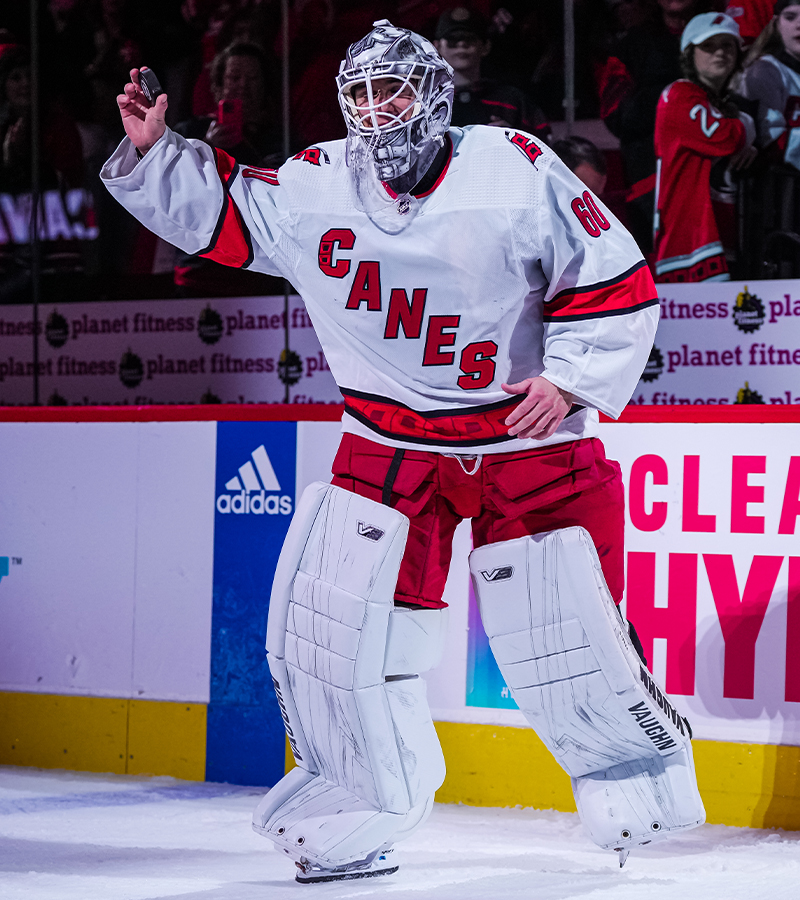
(391, 475)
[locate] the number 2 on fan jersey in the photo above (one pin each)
(700, 110)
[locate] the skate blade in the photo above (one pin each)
(319, 877)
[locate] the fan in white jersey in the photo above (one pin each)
(478, 306)
(772, 78)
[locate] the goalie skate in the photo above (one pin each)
(380, 864)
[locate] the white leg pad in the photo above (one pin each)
(567, 658)
(636, 802)
(346, 665)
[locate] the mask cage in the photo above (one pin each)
(363, 119)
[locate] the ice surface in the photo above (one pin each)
(76, 836)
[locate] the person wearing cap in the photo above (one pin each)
(772, 79)
(462, 38)
(701, 136)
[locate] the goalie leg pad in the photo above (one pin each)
(346, 669)
(569, 662)
(636, 802)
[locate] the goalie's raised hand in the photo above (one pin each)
(143, 122)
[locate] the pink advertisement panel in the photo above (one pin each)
(713, 574)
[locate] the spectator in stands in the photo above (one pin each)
(462, 39)
(219, 24)
(772, 79)
(752, 17)
(642, 62)
(251, 133)
(585, 159)
(700, 137)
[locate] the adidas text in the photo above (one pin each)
(258, 504)
(255, 489)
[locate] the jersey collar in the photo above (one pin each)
(427, 189)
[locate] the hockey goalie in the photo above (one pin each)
(478, 307)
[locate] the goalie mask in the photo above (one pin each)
(396, 95)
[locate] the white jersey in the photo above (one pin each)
(775, 84)
(509, 269)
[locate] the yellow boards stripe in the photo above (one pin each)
(103, 734)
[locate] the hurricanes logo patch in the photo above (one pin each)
(313, 155)
(526, 145)
(501, 573)
(370, 532)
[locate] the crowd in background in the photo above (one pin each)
(698, 108)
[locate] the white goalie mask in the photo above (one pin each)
(396, 95)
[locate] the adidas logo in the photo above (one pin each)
(252, 489)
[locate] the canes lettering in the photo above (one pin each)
(345, 239)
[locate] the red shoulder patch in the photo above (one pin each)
(313, 155)
(525, 144)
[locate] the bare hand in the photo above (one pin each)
(144, 124)
(542, 410)
(224, 135)
(744, 158)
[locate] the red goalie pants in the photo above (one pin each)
(511, 495)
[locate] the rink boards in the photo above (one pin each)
(136, 556)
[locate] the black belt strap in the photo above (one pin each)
(394, 468)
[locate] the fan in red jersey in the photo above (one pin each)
(701, 139)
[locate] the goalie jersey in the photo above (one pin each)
(509, 269)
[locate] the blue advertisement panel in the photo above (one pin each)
(254, 499)
(485, 685)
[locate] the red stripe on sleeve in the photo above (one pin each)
(231, 246)
(226, 165)
(270, 176)
(631, 291)
(230, 243)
